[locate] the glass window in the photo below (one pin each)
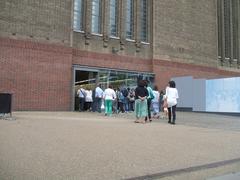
(144, 21)
(121, 79)
(129, 19)
(96, 16)
(220, 39)
(227, 28)
(235, 28)
(78, 15)
(113, 17)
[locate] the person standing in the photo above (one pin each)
(149, 101)
(161, 101)
(81, 94)
(115, 103)
(125, 100)
(131, 98)
(165, 107)
(141, 94)
(98, 98)
(155, 102)
(109, 95)
(88, 99)
(172, 96)
(120, 99)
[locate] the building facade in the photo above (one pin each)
(49, 47)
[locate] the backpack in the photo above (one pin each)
(125, 92)
(131, 96)
(120, 96)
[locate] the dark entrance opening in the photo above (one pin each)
(85, 79)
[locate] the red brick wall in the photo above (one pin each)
(38, 75)
(165, 70)
(111, 61)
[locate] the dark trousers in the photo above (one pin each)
(88, 105)
(81, 104)
(172, 112)
(125, 104)
(131, 105)
(98, 104)
(149, 101)
(120, 107)
(94, 108)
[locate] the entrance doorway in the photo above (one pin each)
(88, 78)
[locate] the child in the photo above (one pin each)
(165, 107)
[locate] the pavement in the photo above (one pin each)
(91, 146)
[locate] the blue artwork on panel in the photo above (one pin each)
(223, 95)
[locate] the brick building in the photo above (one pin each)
(48, 47)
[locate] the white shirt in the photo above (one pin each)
(109, 94)
(172, 96)
(156, 96)
(81, 93)
(98, 92)
(88, 97)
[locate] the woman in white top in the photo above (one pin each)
(172, 96)
(88, 98)
(109, 95)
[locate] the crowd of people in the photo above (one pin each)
(147, 103)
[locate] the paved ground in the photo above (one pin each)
(72, 145)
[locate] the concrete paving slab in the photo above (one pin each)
(232, 176)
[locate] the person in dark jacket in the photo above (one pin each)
(141, 94)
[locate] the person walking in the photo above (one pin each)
(172, 96)
(109, 95)
(141, 94)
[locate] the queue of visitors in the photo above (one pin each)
(147, 103)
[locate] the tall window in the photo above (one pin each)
(96, 16)
(228, 30)
(78, 15)
(113, 17)
(144, 25)
(235, 20)
(129, 19)
(220, 31)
